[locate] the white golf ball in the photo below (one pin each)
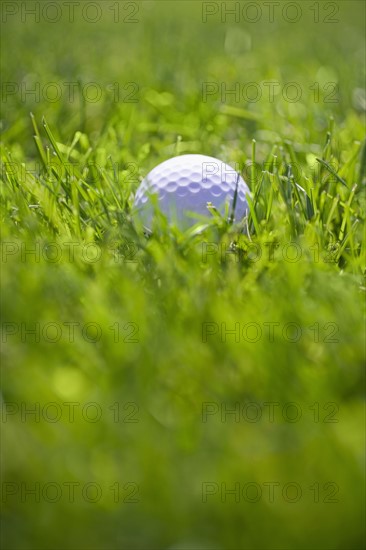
(185, 184)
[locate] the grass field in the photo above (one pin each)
(188, 390)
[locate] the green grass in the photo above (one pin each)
(137, 326)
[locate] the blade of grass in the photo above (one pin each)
(332, 171)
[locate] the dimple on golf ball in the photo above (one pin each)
(185, 184)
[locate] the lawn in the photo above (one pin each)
(182, 390)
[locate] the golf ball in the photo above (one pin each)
(185, 184)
